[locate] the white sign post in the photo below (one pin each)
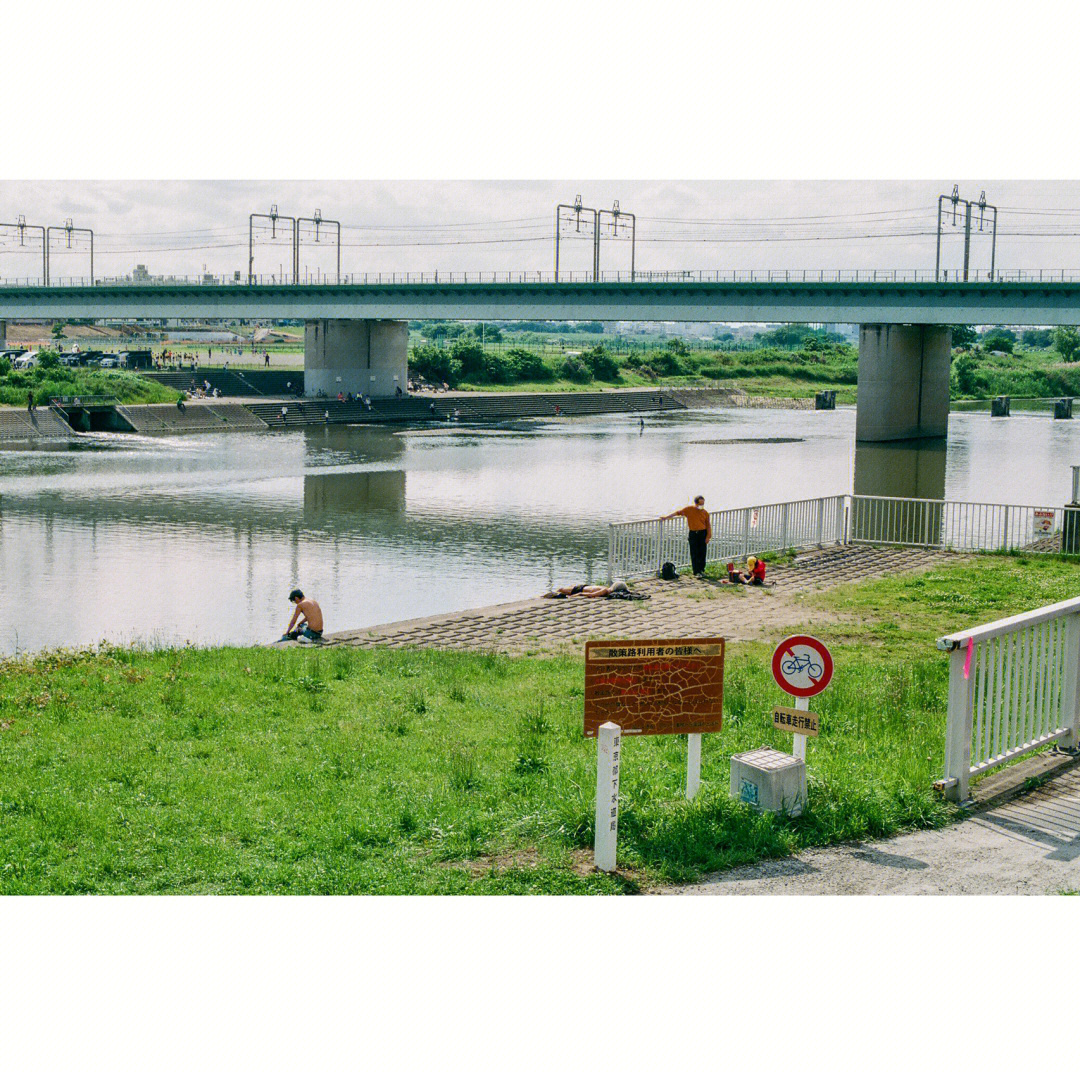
(693, 764)
(803, 666)
(608, 749)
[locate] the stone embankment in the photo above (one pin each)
(688, 606)
(245, 408)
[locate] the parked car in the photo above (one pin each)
(26, 361)
(70, 358)
(13, 354)
(109, 362)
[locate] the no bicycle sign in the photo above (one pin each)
(802, 665)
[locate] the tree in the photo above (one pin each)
(1041, 338)
(1066, 341)
(962, 335)
(602, 365)
(999, 340)
(58, 330)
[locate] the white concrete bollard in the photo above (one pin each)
(693, 764)
(798, 749)
(608, 750)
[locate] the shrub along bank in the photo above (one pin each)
(49, 379)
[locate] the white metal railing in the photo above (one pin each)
(638, 548)
(734, 276)
(641, 547)
(965, 526)
(1014, 686)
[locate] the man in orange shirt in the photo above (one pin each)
(699, 531)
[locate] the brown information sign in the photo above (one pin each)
(798, 721)
(660, 686)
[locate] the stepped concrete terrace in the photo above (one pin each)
(196, 417)
(19, 424)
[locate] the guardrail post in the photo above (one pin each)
(658, 558)
(821, 521)
(746, 532)
(958, 728)
(610, 553)
(1070, 688)
(843, 504)
(784, 527)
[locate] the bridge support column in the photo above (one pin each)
(367, 357)
(903, 382)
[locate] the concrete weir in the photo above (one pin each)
(355, 356)
(903, 382)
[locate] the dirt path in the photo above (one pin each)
(1029, 845)
(689, 606)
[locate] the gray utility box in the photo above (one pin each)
(768, 779)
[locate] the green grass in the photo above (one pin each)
(125, 386)
(906, 613)
(301, 771)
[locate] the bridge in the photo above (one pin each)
(356, 338)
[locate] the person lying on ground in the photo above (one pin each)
(618, 588)
(307, 612)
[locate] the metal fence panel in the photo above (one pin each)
(1013, 687)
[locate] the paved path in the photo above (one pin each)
(739, 613)
(1029, 845)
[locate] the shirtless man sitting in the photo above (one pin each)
(310, 627)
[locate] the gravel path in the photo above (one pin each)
(689, 606)
(1029, 845)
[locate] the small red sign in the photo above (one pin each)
(802, 665)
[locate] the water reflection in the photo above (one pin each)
(913, 469)
(202, 537)
(909, 468)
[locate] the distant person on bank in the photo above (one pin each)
(699, 531)
(309, 615)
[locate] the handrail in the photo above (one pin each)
(885, 279)
(1005, 626)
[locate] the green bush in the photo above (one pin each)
(601, 364)
(573, 369)
(435, 364)
(528, 366)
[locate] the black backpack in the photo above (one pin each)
(667, 572)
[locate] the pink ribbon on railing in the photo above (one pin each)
(967, 659)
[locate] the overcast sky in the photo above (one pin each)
(183, 226)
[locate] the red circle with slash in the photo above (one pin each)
(802, 665)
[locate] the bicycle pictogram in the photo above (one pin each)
(801, 662)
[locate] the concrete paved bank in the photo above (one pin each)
(689, 606)
(1028, 845)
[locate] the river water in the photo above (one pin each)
(201, 538)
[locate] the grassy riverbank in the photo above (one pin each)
(124, 386)
(255, 770)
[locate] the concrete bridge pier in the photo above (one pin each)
(353, 355)
(903, 382)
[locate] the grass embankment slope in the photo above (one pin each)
(124, 386)
(256, 770)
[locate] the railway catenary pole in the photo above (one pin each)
(69, 229)
(22, 227)
(273, 216)
(318, 221)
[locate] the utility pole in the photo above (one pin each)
(956, 201)
(616, 214)
(69, 229)
(273, 216)
(22, 228)
(317, 222)
(577, 209)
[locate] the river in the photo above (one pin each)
(200, 538)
